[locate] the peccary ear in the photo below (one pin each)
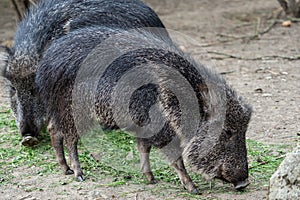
(246, 107)
(4, 54)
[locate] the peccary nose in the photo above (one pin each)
(29, 133)
(242, 184)
(28, 140)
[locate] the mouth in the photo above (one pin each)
(239, 185)
(242, 184)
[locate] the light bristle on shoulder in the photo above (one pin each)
(4, 54)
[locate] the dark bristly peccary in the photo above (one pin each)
(225, 158)
(50, 20)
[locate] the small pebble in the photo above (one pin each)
(284, 73)
(182, 47)
(267, 95)
(258, 90)
(127, 177)
(287, 23)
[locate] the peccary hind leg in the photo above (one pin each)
(71, 140)
(57, 143)
(144, 149)
(71, 144)
(185, 179)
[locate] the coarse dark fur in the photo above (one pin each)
(52, 19)
(226, 158)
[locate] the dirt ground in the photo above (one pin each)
(261, 69)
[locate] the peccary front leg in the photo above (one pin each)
(185, 179)
(144, 149)
(57, 143)
(71, 144)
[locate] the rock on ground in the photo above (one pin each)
(285, 182)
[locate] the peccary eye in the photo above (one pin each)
(228, 133)
(12, 91)
(32, 92)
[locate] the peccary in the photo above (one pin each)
(50, 20)
(216, 146)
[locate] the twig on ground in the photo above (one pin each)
(216, 43)
(258, 24)
(243, 24)
(258, 33)
(233, 36)
(255, 35)
(19, 14)
(26, 197)
(294, 19)
(268, 28)
(253, 59)
(266, 162)
(229, 72)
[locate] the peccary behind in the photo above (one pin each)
(50, 20)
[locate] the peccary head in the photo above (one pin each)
(226, 159)
(20, 75)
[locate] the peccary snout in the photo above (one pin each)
(28, 112)
(237, 176)
(29, 132)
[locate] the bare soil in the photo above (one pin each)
(261, 69)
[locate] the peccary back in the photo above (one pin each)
(53, 18)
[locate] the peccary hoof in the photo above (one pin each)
(80, 178)
(191, 189)
(153, 181)
(150, 178)
(195, 191)
(29, 141)
(69, 172)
